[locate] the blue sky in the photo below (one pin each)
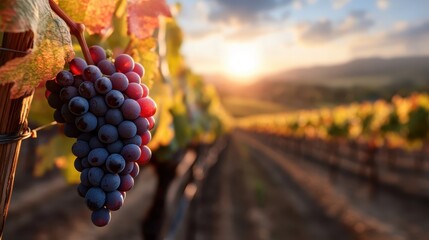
(248, 39)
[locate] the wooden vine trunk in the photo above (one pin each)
(13, 119)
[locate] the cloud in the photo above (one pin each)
(337, 4)
(326, 30)
(383, 4)
(244, 11)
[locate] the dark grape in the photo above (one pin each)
(97, 54)
(114, 116)
(65, 78)
(115, 163)
(129, 166)
(85, 163)
(142, 125)
(133, 77)
(131, 152)
(95, 198)
(91, 73)
(95, 174)
(136, 170)
(119, 81)
(84, 178)
(110, 182)
(108, 134)
(97, 157)
(53, 86)
(124, 63)
(54, 100)
(82, 190)
(148, 107)
(103, 85)
(67, 115)
(127, 129)
(58, 117)
(100, 122)
(137, 140)
(80, 148)
(115, 147)
(87, 122)
(78, 80)
(78, 106)
(114, 200)
(114, 99)
(77, 65)
(139, 69)
(85, 137)
(100, 217)
(127, 182)
(134, 91)
(71, 131)
(87, 90)
(98, 106)
(78, 164)
(68, 93)
(95, 143)
(130, 109)
(106, 67)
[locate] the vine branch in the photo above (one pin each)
(76, 29)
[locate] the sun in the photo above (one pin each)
(242, 62)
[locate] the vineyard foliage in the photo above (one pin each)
(399, 123)
(189, 111)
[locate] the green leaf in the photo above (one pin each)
(51, 48)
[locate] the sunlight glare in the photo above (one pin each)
(242, 62)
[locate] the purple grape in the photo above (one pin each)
(78, 106)
(129, 166)
(68, 93)
(146, 137)
(127, 182)
(108, 134)
(97, 54)
(85, 163)
(97, 157)
(127, 129)
(100, 217)
(87, 122)
(133, 77)
(78, 80)
(82, 190)
(91, 73)
(106, 67)
(134, 91)
(130, 109)
(85, 137)
(145, 155)
(114, 116)
(95, 174)
(54, 101)
(142, 125)
(84, 178)
(77, 65)
(115, 163)
(136, 170)
(98, 106)
(124, 63)
(80, 148)
(137, 140)
(115, 147)
(110, 182)
(95, 143)
(119, 81)
(66, 114)
(103, 85)
(53, 86)
(139, 69)
(87, 90)
(114, 200)
(58, 117)
(131, 152)
(65, 78)
(114, 99)
(71, 131)
(78, 164)
(95, 198)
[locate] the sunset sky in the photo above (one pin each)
(247, 39)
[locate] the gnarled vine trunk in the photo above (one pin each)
(13, 120)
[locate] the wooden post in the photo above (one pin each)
(13, 120)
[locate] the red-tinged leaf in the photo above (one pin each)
(51, 48)
(143, 16)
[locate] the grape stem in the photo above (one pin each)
(76, 29)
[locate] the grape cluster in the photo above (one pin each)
(107, 109)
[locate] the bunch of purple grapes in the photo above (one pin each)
(107, 109)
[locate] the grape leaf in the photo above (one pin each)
(143, 16)
(143, 52)
(51, 48)
(95, 14)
